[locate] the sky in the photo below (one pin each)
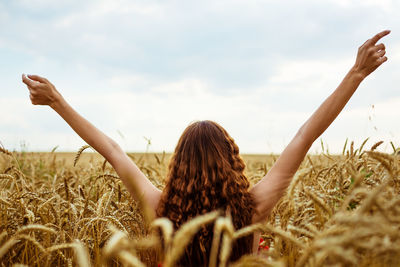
(144, 70)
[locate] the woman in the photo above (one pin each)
(206, 171)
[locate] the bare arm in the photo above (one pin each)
(42, 92)
(270, 189)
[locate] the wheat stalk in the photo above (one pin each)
(82, 255)
(78, 154)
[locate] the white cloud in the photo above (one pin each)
(12, 114)
(388, 6)
(95, 11)
(308, 76)
(394, 56)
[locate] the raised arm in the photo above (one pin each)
(42, 92)
(270, 189)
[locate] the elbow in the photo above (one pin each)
(115, 151)
(114, 145)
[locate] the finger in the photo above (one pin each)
(380, 47)
(27, 81)
(381, 60)
(378, 36)
(381, 53)
(38, 78)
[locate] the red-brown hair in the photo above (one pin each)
(206, 174)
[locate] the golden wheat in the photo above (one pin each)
(338, 211)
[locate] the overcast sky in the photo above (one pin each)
(147, 68)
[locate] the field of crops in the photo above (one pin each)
(339, 211)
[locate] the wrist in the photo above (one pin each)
(57, 102)
(356, 75)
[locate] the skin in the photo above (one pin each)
(270, 189)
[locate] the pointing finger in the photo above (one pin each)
(378, 36)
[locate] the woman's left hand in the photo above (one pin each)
(370, 55)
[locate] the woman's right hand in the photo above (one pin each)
(370, 55)
(42, 92)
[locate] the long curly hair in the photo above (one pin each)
(205, 174)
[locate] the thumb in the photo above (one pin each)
(37, 78)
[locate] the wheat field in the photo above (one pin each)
(66, 209)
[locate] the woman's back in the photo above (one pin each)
(206, 174)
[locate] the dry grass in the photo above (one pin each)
(339, 211)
